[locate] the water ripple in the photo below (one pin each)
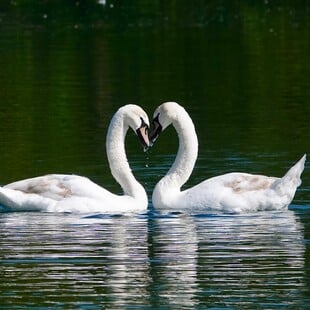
(153, 261)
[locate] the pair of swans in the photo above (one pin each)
(232, 192)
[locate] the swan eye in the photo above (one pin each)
(143, 123)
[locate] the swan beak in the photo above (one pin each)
(156, 130)
(142, 133)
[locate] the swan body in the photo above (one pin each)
(231, 192)
(72, 193)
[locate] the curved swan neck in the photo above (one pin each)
(187, 153)
(115, 146)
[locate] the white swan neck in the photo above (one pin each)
(187, 153)
(120, 169)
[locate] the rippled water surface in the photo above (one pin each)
(154, 261)
(240, 69)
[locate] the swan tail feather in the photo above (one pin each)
(291, 180)
(13, 200)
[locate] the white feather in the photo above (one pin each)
(232, 192)
(72, 193)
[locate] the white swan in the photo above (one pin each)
(72, 193)
(232, 192)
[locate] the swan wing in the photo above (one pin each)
(63, 193)
(228, 192)
(58, 187)
(238, 192)
(240, 183)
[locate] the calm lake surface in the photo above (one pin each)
(241, 71)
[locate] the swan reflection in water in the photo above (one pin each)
(78, 261)
(225, 260)
(171, 260)
(175, 250)
(122, 274)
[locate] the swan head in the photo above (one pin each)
(138, 121)
(166, 114)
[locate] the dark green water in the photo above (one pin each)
(242, 72)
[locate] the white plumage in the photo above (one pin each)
(72, 193)
(232, 192)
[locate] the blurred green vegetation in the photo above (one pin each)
(155, 13)
(241, 68)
